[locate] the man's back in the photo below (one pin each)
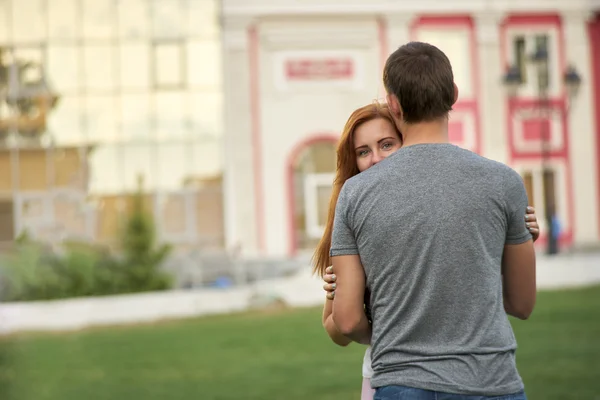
(430, 223)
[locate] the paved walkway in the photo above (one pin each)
(568, 270)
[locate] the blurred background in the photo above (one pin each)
(166, 160)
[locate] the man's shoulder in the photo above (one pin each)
(491, 164)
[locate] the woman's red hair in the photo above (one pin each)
(346, 168)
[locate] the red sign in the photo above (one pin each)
(319, 69)
(536, 129)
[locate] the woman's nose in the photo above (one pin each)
(376, 157)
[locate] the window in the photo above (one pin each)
(528, 181)
(312, 181)
(101, 119)
(204, 64)
(203, 18)
(139, 160)
(135, 66)
(99, 68)
(98, 19)
(136, 117)
(171, 114)
(541, 44)
(546, 190)
(550, 190)
(28, 20)
(6, 220)
(317, 191)
(167, 18)
(521, 57)
(169, 65)
(133, 18)
(63, 68)
(537, 77)
(5, 34)
(62, 19)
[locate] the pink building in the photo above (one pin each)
(294, 71)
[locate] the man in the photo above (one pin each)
(437, 235)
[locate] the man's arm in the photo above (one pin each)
(519, 279)
(518, 259)
(349, 302)
(332, 330)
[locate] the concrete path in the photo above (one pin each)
(568, 270)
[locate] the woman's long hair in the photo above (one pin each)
(346, 168)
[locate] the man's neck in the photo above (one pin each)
(427, 132)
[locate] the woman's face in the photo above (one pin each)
(374, 140)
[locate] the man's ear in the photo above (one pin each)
(394, 105)
(455, 94)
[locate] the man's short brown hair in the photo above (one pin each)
(420, 76)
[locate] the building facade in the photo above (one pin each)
(294, 71)
(140, 81)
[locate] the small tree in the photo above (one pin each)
(142, 256)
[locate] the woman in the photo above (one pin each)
(368, 137)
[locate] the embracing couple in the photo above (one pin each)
(428, 247)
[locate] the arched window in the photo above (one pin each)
(312, 177)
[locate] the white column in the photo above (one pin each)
(397, 33)
(238, 189)
(581, 130)
(492, 104)
(398, 30)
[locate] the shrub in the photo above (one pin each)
(33, 272)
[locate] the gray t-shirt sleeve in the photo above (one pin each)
(516, 207)
(343, 241)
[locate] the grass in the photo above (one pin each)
(276, 355)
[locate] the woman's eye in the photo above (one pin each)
(386, 146)
(363, 153)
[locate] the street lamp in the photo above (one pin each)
(513, 80)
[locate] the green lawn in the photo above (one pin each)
(277, 355)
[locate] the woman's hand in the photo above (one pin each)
(531, 223)
(330, 284)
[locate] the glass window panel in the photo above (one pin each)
(99, 72)
(455, 44)
(105, 170)
(35, 56)
(63, 68)
(206, 158)
(520, 54)
(133, 18)
(138, 161)
(173, 161)
(136, 117)
(28, 21)
(541, 44)
(62, 19)
(528, 181)
(171, 114)
(5, 22)
(168, 59)
(135, 66)
(98, 19)
(101, 121)
(206, 113)
(204, 63)
(550, 190)
(168, 18)
(323, 197)
(203, 18)
(64, 121)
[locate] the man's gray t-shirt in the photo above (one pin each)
(430, 223)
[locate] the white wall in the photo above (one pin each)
(292, 113)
